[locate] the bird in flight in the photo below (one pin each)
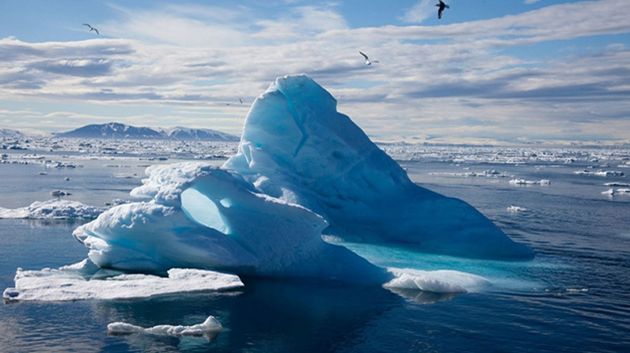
(367, 60)
(91, 28)
(441, 6)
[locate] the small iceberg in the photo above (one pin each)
(84, 280)
(616, 192)
(53, 209)
(210, 327)
(530, 182)
(617, 184)
(516, 209)
(600, 173)
(440, 281)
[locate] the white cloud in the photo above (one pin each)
(420, 12)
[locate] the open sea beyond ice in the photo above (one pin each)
(573, 297)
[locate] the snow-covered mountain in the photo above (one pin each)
(10, 134)
(183, 133)
(122, 131)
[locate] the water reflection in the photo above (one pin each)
(266, 316)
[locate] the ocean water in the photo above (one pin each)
(574, 297)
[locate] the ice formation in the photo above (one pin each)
(516, 209)
(204, 217)
(440, 281)
(600, 173)
(210, 326)
(530, 182)
(53, 209)
(302, 170)
(296, 147)
(83, 281)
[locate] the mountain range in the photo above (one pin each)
(122, 131)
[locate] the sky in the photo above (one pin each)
(490, 71)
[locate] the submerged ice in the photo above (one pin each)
(302, 171)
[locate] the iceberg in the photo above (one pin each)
(53, 209)
(302, 172)
(296, 147)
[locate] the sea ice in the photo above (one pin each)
(617, 184)
(600, 173)
(516, 209)
(530, 182)
(620, 191)
(84, 280)
(53, 209)
(210, 326)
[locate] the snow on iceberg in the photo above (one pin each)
(83, 281)
(210, 327)
(296, 147)
(53, 209)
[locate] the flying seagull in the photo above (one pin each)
(367, 60)
(441, 6)
(91, 28)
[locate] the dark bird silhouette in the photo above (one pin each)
(441, 6)
(240, 100)
(367, 60)
(91, 28)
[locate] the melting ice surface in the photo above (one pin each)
(302, 170)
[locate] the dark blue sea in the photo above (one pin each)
(574, 297)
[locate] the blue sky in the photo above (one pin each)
(516, 71)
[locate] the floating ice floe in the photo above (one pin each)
(53, 209)
(530, 182)
(490, 173)
(516, 209)
(440, 281)
(84, 280)
(617, 192)
(600, 173)
(211, 326)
